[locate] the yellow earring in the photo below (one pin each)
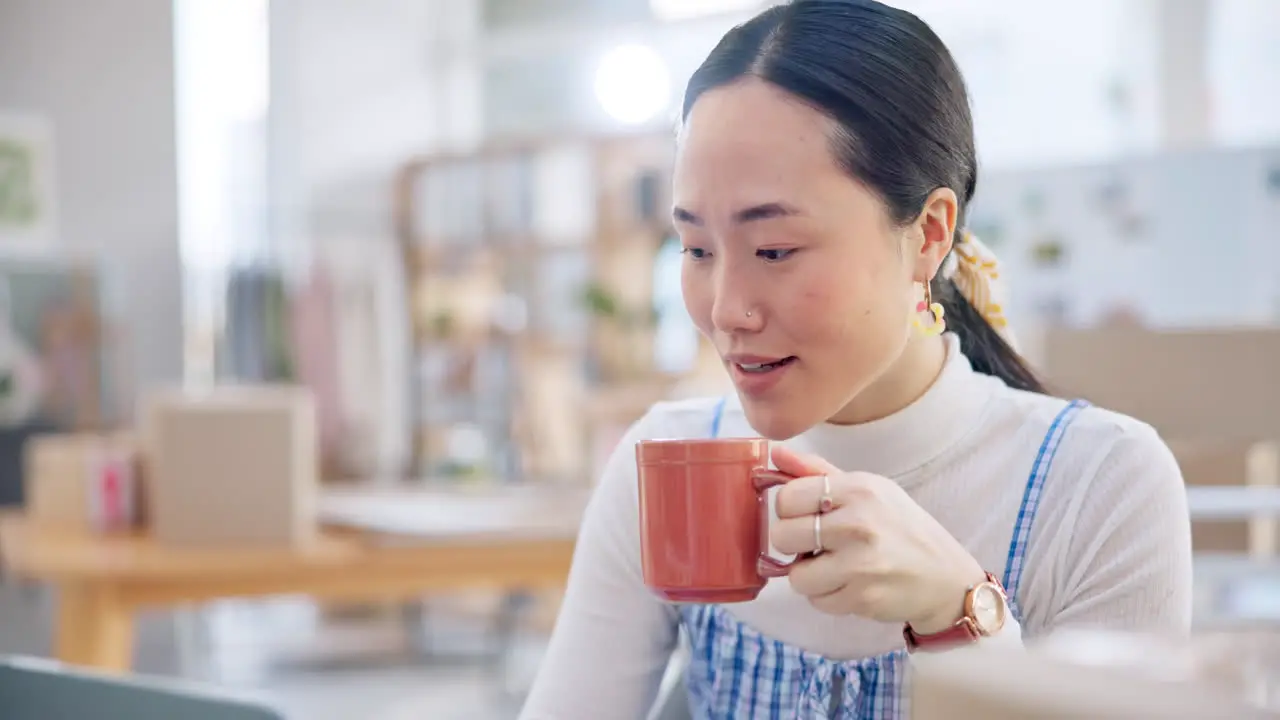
(936, 312)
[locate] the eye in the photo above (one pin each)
(696, 253)
(774, 254)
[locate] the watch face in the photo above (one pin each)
(988, 610)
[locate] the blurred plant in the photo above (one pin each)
(629, 352)
(22, 382)
(603, 304)
(442, 324)
(21, 386)
(599, 301)
(1049, 251)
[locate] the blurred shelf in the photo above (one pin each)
(1233, 503)
(507, 252)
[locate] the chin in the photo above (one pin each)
(775, 422)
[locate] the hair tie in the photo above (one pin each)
(975, 271)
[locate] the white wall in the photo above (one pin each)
(1093, 80)
(1052, 82)
(1244, 70)
(102, 73)
(358, 89)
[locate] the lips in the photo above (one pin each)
(764, 366)
(757, 375)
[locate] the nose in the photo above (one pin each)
(734, 308)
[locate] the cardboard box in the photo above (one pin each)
(232, 466)
(83, 481)
(1202, 384)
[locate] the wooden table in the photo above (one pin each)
(103, 582)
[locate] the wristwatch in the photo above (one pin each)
(985, 608)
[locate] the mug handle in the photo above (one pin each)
(767, 566)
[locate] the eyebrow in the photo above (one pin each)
(766, 211)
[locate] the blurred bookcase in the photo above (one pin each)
(529, 282)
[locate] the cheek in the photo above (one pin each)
(698, 300)
(853, 310)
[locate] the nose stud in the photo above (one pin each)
(748, 313)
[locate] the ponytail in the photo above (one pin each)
(973, 312)
(988, 351)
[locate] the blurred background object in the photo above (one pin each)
(1079, 674)
(444, 227)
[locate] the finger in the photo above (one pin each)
(839, 528)
(804, 496)
(800, 464)
(801, 497)
(842, 601)
(816, 577)
(795, 536)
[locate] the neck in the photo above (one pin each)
(914, 372)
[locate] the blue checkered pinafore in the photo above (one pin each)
(736, 672)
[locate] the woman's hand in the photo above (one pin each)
(884, 557)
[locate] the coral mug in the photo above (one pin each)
(704, 518)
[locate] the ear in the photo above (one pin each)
(936, 225)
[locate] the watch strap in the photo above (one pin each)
(965, 631)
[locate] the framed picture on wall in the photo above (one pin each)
(27, 206)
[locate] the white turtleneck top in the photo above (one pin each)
(1110, 545)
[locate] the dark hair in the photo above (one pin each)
(905, 128)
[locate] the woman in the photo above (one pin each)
(825, 161)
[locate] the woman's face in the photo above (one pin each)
(792, 269)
